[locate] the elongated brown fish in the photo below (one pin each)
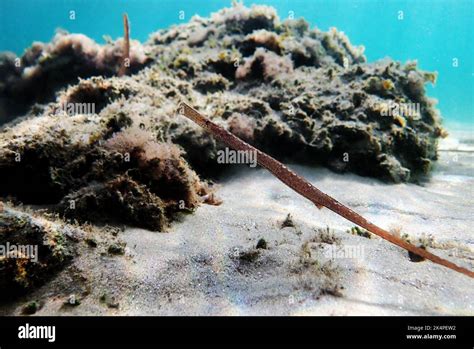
(126, 47)
(309, 191)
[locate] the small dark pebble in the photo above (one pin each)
(415, 257)
(262, 244)
(91, 242)
(30, 308)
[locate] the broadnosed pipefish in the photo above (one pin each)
(309, 191)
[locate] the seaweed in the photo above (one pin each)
(360, 232)
(264, 65)
(315, 274)
(128, 178)
(293, 92)
(30, 308)
(288, 222)
(296, 93)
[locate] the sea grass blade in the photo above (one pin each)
(309, 191)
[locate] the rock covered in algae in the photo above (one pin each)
(44, 68)
(34, 248)
(295, 92)
(97, 172)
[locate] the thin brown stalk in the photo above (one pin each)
(126, 47)
(306, 189)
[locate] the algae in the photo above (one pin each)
(297, 93)
(34, 250)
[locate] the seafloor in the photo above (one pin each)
(208, 263)
(94, 190)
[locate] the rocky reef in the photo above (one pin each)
(297, 93)
(84, 151)
(33, 249)
(45, 68)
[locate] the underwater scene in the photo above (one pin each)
(218, 158)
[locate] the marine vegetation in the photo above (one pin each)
(296, 93)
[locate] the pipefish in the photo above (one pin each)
(308, 190)
(126, 47)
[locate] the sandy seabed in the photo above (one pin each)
(208, 263)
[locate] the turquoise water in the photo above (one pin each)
(438, 33)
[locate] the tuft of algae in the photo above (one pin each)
(299, 94)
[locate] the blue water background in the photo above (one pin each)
(435, 32)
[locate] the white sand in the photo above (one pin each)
(193, 269)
